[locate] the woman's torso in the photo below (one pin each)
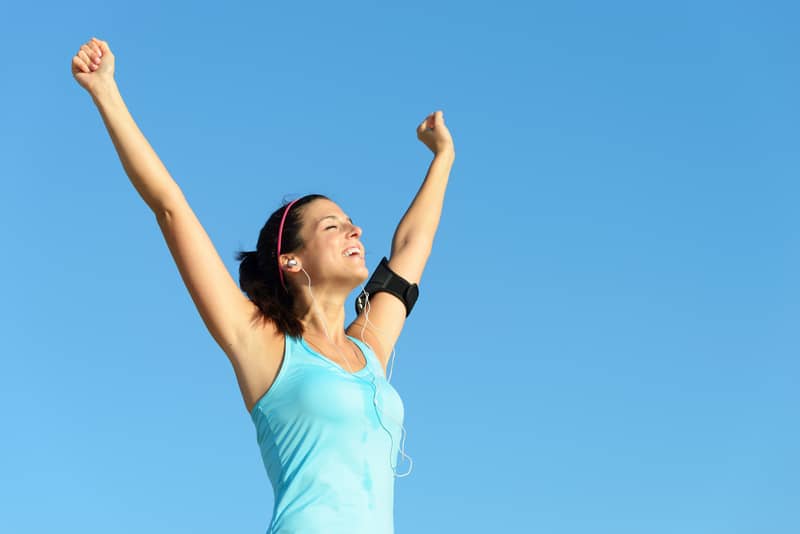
(329, 441)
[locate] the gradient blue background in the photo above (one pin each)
(607, 335)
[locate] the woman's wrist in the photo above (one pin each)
(104, 91)
(448, 152)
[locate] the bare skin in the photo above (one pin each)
(255, 348)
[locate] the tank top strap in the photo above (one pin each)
(301, 353)
(294, 346)
(372, 360)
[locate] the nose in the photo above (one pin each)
(355, 231)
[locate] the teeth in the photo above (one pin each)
(351, 251)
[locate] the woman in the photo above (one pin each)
(328, 422)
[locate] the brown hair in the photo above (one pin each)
(259, 276)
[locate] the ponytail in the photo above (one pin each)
(259, 274)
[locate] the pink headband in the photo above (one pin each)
(280, 238)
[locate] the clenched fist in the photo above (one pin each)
(433, 132)
(93, 65)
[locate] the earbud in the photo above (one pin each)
(291, 263)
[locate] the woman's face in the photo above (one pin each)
(332, 251)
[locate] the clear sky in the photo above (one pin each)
(606, 339)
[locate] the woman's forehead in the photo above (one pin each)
(321, 208)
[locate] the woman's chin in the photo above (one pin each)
(362, 274)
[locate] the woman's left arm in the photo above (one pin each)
(413, 239)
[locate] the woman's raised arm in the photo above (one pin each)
(93, 68)
(413, 239)
(226, 312)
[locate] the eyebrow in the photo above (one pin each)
(333, 217)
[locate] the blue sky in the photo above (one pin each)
(607, 335)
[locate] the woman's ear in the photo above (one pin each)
(289, 264)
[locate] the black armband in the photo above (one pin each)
(384, 279)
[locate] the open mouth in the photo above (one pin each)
(351, 252)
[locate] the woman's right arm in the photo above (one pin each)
(227, 313)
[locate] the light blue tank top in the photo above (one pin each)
(323, 442)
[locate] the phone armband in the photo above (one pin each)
(384, 279)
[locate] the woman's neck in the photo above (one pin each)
(323, 317)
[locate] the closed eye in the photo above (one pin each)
(329, 227)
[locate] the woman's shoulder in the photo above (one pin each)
(258, 360)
